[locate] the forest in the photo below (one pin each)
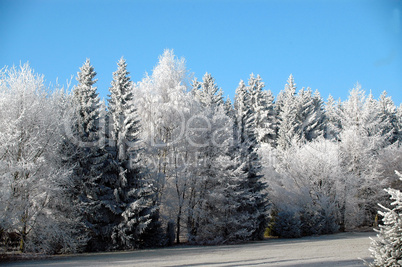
(168, 160)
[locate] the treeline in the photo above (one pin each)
(168, 159)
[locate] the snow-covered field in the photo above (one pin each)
(343, 249)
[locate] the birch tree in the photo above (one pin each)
(164, 106)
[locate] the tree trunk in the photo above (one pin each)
(24, 231)
(178, 226)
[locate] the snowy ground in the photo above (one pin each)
(342, 249)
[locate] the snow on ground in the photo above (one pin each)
(343, 249)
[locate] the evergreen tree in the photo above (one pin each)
(124, 125)
(247, 146)
(228, 107)
(333, 122)
(135, 195)
(399, 124)
(139, 225)
(388, 113)
(309, 115)
(286, 109)
(95, 186)
(222, 218)
(387, 249)
(262, 106)
(207, 92)
(214, 217)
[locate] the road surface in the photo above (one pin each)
(343, 249)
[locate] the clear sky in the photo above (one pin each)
(326, 45)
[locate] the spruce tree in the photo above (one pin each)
(286, 109)
(247, 145)
(388, 115)
(207, 92)
(309, 115)
(332, 119)
(214, 217)
(95, 189)
(135, 195)
(387, 249)
(262, 106)
(228, 107)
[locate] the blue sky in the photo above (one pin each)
(326, 45)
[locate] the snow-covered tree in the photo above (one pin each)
(135, 195)
(399, 123)
(139, 225)
(209, 195)
(33, 185)
(262, 106)
(229, 111)
(387, 113)
(123, 121)
(246, 147)
(216, 196)
(164, 106)
(308, 187)
(95, 181)
(333, 121)
(361, 140)
(387, 248)
(286, 107)
(223, 218)
(207, 92)
(309, 115)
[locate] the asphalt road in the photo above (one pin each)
(343, 249)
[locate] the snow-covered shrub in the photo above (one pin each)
(287, 224)
(307, 178)
(328, 214)
(387, 249)
(312, 220)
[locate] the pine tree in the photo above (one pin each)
(247, 146)
(387, 249)
(139, 224)
(212, 175)
(95, 188)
